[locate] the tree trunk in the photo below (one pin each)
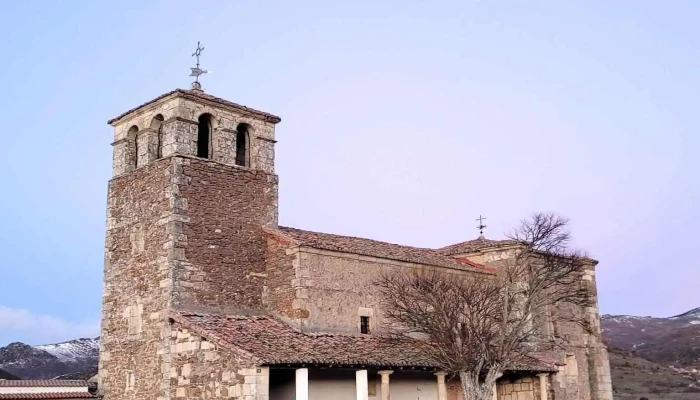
(473, 388)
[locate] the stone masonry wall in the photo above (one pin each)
(135, 293)
(333, 290)
(524, 388)
(222, 248)
(202, 370)
(587, 375)
(283, 287)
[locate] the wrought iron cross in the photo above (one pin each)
(196, 71)
(481, 225)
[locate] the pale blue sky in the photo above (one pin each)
(401, 121)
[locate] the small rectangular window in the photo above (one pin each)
(364, 325)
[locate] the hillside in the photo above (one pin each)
(634, 377)
(7, 376)
(673, 341)
(49, 361)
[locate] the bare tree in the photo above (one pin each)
(479, 326)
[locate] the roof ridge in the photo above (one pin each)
(358, 237)
(371, 247)
(46, 395)
(43, 382)
(201, 96)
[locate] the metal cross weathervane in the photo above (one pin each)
(481, 225)
(196, 71)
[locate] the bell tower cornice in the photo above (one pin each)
(199, 97)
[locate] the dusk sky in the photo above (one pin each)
(402, 121)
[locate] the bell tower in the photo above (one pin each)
(193, 186)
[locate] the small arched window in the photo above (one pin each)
(157, 125)
(204, 136)
(243, 145)
(133, 136)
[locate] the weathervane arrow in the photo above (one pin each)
(196, 71)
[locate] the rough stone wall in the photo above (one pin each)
(596, 351)
(180, 134)
(284, 289)
(222, 247)
(524, 388)
(333, 290)
(182, 232)
(591, 379)
(202, 370)
(136, 285)
(571, 381)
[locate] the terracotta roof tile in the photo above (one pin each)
(43, 383)
(46, 395)
(372, 248)
(478, 244)
(270, 342)
(199, 95)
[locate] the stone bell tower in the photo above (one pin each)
(193, 186)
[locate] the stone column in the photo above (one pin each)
(361, 384)
(224, 145)
(543, 386)
(442, 389)
(121, 157)
(385, 384)
(179, 136)
(302, 384)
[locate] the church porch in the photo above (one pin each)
(325, 382)
(261, 358)
(355, 383)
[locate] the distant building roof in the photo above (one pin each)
(46, 395)
(478, 244)
(199, 95)
(271, 342)
(43, 383)
(44, 389)
(372, 248)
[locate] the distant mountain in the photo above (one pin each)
(670, 341)
(50, 360)
(83, 375)
(74, 351)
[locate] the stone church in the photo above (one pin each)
(206, 296)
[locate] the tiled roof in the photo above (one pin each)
(372, 248)
(270, 342)
(46, 395)
(478, 244)
(43, 383)
(199, 95)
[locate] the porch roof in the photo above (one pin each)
(269, 341)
